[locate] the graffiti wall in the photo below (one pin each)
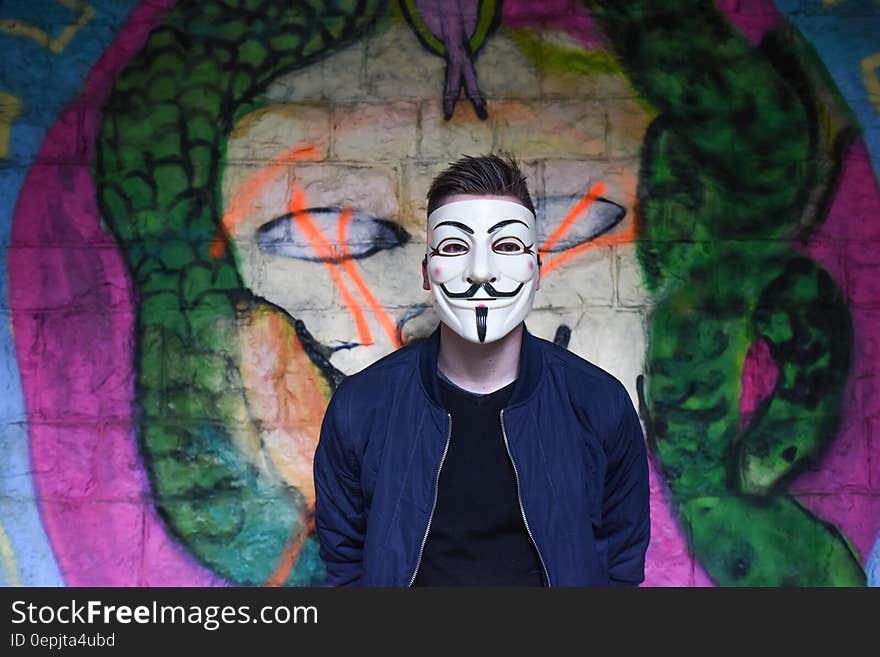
(213, 211)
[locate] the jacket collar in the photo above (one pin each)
(531, 365)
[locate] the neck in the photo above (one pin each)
(479, 368)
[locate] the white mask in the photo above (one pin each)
(482, 262)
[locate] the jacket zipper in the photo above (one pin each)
(434, 507)
(519, 497)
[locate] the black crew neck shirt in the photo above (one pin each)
(477, 536)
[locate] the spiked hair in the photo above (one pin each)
(485, 174)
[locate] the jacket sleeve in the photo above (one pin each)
(340, 519)
(626, 523)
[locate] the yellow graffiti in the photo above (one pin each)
(56, 44)
(8, 561)
(10, 108)
(871, 78)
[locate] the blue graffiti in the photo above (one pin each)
(844, 34)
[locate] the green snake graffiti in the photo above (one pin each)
(157, 170)
(727, 167)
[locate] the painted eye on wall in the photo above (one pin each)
(600, 216)
(509, 246)
(452, 247)
(329, 235)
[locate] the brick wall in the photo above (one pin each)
(166, 364)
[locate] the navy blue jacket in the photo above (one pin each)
(571, 432)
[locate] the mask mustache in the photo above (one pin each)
(474, 288)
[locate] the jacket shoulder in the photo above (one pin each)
(377, 377)
(581, 371)
(599, 400)
(361, 398)
(594, 392)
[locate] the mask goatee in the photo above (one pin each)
(481, 322)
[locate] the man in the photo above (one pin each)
(483, 455)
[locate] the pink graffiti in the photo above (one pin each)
(758, 380)
(73, 324)
(668, 561)
(839, 488)
(561, 15)
(754, 18)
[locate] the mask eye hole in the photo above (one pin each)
(509, 246)
(452, 247)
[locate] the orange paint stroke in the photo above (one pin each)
(581, 206)
(603, 240)
(626, 236)
(348, 264)
(326, 251)
(289, 554)
(243, 201)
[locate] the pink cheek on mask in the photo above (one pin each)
(531, 265)
(436, 271)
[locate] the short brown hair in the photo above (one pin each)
(484, 174)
